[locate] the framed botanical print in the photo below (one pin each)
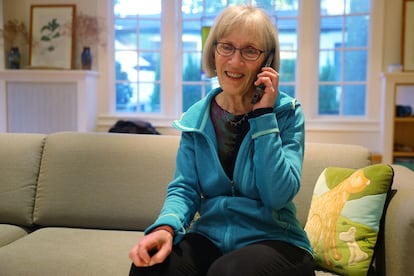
(52, 36)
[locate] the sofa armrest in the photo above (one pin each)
(399, 224)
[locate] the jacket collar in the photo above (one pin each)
(197, 116)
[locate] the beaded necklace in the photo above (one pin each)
(235, 121)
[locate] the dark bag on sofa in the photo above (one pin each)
(137, 127)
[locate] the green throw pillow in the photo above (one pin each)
(344, 217)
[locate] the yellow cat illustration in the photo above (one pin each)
(325, 210)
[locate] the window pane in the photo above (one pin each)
(213, 7)
(192, 67)
(330, 66)
(191, 8)
(127, 61)
(357, 31)
(329, 99)
(287, 5)
(266, 5)
(126, 96)
(149, 66)
(288, 69)
(286, 13)
(355, 68)
(359, 6)
(195, 17)
(335, 7)
(288, 89)
(354, 100)
(287, 34)
(330, 32)
(149, 34)
(191, 36)
(288, 46)
(149, 97)
(137, 55)
(134, 7)
(191, 94)
(145, 92)
(343, 56)
(125, 34)
(332, 7)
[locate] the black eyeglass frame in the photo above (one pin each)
(241, 50)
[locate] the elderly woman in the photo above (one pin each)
(238, 166)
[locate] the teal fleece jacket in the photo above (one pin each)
(256, 204)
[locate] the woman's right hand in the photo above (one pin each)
(152, 249)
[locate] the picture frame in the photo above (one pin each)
(52, 37)
(407, 51)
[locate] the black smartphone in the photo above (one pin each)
(260, 89)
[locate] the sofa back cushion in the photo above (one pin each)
(19, 167)
(104, 180)
(319, 156)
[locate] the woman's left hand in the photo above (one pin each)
(270, 78)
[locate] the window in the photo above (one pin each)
(165, 81)
(137, 55)
(343, 53)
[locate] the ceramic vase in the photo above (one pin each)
(14, 58)
(86, 58)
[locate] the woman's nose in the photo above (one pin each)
(236, 57)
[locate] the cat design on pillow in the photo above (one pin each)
(325, 211)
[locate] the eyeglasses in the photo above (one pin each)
(248, 53)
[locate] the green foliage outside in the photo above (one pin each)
(287, 74)
(193, 72)
(328, 103)
(156, 94)
(123, 90)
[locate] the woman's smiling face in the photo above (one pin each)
(235, 74)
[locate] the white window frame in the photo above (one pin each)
(306, 72)
(307, 83)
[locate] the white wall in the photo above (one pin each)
(389, 17)
(102, 63)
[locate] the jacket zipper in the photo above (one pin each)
(233, 187)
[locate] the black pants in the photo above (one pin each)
(196, 255)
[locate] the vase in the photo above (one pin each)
(86, 58)
(14, 58)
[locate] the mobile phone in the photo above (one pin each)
(258, 93)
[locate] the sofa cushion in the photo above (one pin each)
(345, 215)
(69, 251)
(19, 168)
(91, 180)
(10, 233)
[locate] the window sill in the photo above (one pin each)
(313, 125)
(342, 125)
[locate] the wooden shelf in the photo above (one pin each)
(404, 119)
(403, 154)
(397, 130)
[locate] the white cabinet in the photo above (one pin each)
(46, 101)
(398, 132)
